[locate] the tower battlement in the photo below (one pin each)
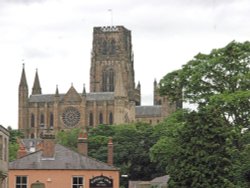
(110, 29)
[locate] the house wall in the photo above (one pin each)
(4, 156)
(60, 178)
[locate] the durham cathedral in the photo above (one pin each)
(113, 97)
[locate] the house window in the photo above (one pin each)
(21, 182)
(32, 120)
(77, 182)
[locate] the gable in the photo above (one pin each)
(72, 96)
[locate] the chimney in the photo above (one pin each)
(48, 145)
(21, 151)
(110, 152)
(82, 144)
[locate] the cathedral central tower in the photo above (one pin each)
(112, 52)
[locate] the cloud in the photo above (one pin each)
(27, 2)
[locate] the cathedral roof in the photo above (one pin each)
(89, 97)
(64, 159)
(100, 96)
(141, 111)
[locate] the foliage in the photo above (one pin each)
(220, 78)
(163, 151)
(205, 153)
(209, 150)
(223, 70)
(68, 138)
(13, 145)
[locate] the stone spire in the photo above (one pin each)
(23, 81)
(84, 90)
(36, 86)
(57, 91)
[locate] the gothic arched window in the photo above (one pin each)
(108, 80)
(42, 120)
(112, 50)
(104, 48)
(51, 120)
(91, 119)
(32, 135)
(32, 120)
(100, 118)
(110, 118)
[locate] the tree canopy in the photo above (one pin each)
(209, 149)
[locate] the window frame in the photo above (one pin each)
(21, 184)
(77, 185)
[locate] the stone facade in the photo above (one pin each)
(113, 96)
(4, 156)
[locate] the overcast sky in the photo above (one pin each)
(55, 37)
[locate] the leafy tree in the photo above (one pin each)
(219, 83)
(206, 152)
(221, 78)
(13, 145)
(68, 138)
(162, 153)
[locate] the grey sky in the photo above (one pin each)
(55, 36)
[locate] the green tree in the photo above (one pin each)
(216, 82)
(205, 156)
(221, 78)
(167, 132)
(13, 145)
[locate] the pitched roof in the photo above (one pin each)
(89, 97)
(141, 111)
(64, 159)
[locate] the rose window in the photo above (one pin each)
(71, 117)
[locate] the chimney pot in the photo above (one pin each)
(82, 144)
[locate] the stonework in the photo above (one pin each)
(113, 96)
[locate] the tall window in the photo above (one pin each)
(110, 118)
(104, 48)
(77, 182)
(91, 119)
(51, 120)
(32, 120)
(42, 121)
(32, 135)
(113, 50)
(108, 80)
(21, 182)
(100, 118)
(1, 147)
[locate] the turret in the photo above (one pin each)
(23, 101)
(36, 86)
(157, 98)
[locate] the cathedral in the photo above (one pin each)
(114, 98)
